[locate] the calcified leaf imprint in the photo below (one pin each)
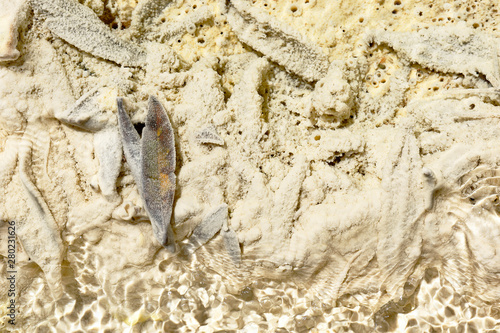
(81, 27)
(108, 149)
(402, 209)
(146, 11)
(174, 29)
(232, 245)
(152, 162)
(278, 42)
(87, 114)
(39, 233)
(209, 134)
(210, 225)
(454, 49)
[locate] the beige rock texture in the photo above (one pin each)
(13, 13)
(337, 166)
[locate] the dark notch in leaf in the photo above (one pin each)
(139, 127)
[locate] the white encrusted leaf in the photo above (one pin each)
(80, 26)
(207, 229)
(278, 42)
(39, 233)
(450, 49)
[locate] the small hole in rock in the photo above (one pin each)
(317, 137)
(472, 106)
(293, 8)
(394, 11)
(397, 3)
(361, 20)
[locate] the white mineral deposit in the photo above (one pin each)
(249, 166)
